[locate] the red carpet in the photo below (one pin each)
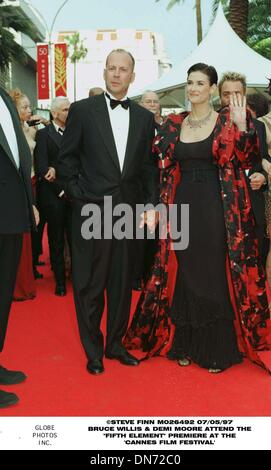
(43, 341)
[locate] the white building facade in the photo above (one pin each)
(147, 48)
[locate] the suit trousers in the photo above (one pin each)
(99, 266)
(37, 236)
(58, 220)
(10, 252)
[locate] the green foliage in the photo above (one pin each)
(197, 7)
(76, 48)
(263, 47)
(259, 21)
(76, 52)
(225, 4)
(173, 2)
(11, 17)
(259, 24)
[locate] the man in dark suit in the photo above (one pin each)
(256, 190)
(16, 217)
(50, 193)
(233, 82)
(106, 151)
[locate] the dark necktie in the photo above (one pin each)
(60, 131)
(114, 103)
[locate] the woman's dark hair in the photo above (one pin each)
(258, 103)
(208, 70)
(269, 87)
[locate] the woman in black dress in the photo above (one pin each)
(202, 156)
(201, 309)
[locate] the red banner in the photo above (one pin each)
(43, 71)
(61, 69)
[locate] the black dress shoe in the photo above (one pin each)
(37, 275)
(60, 290)
(95, 367)
(124, 358)
(7, 399)
(11, 377)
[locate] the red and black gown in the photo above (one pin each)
(152, 331)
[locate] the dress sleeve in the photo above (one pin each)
(232, 146)
(246, 148)
(163, 151)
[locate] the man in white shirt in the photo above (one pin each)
(106, 151)
(16, 217)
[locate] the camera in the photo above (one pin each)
(34, 122)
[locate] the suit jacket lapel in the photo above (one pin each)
(16, 123)
(132, 135)
(55, 136)
(103, 121)
(4, 144)
(24, 152)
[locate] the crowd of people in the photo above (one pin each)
(206, 303)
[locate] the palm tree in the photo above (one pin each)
(238, 15)
(238, 11)
(251, 21)
(199, 21)
(11, 17)
(77, 51)
(198, 15)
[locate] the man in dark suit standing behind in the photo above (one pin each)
(16, 217)
(106, 151)
(50, 193)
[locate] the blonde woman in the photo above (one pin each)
(25, 283)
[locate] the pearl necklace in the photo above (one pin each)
(198, 123)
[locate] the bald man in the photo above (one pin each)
(150, 100)
(95, 91)
(106, 151)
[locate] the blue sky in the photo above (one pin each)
(177, 26)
